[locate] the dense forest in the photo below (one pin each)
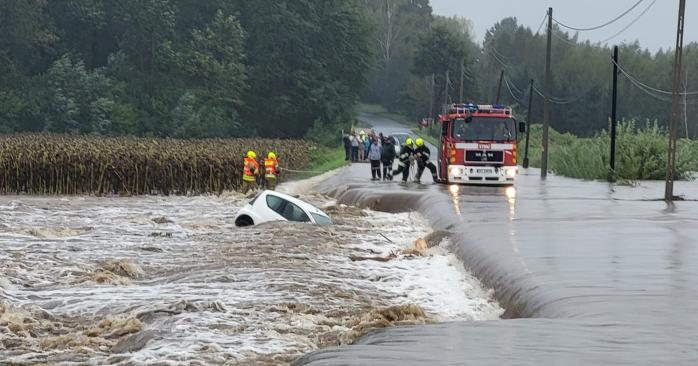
(274, 68)
(422, 58)
(181, 68)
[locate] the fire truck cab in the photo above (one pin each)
(478, 145)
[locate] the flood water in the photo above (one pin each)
(589, 273)
(170, 280)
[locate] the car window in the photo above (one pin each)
(275, 203)
(321, 219)
(294, 213)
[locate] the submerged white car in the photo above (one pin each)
(274, 206)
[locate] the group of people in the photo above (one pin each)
(414, 151)
(252, 175)
(380, 150)
(358, 145)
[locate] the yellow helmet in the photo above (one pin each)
(251, 155)
(271, 155)
(420, 142)
(408, 141)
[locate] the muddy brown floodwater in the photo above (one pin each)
(170, 280)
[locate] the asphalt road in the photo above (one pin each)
(590, 273)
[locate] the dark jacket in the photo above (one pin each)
(405, 152)
(423, 153)
(388, 152)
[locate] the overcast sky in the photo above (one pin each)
(655, 30)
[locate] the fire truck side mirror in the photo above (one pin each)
(522, 127)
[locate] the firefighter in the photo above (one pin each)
(403, 164)
(250, 172)
(271, 171)
(423, 154)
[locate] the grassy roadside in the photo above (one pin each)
(641, 154)
(322, 160)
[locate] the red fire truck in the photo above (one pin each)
(478, 145)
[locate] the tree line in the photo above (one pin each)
(182, 68)
(282, 68)
(423, 58)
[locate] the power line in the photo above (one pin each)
(545, 17)
(562, 101)
(494, 53)
(511, 92)
(631, 23)
(563, 39)
(602, 25)
(632, 78)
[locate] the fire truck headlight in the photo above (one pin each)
(456, 171)
(512, 172)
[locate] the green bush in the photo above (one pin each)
(641, 153)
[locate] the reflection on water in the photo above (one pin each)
(511, 199)
(455, 189)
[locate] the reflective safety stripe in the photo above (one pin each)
(249, 165)
(270, 176)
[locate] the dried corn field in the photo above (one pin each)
(60, 164)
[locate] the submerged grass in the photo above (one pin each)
(641, 153)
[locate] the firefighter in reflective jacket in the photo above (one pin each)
(423, 154)
(403, 164)
(250, 172)
(271, 170)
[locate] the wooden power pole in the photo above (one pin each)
(528, 124)
(675, 106)
(548, 93)
(614, 120)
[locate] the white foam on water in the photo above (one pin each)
(208, 292)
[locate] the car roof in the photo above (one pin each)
(302, 204)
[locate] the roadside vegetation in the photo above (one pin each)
(67, 165)
(641, 153)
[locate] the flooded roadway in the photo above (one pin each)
(589, 273)
(170, 281)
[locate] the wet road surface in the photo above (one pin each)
(589, 274)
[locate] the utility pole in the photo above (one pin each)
(528, 124)
(431, 96)
(685, 103)
(546, 107)
(446, 87)
(614, 121)
(462, 72)
(675, 106)
(499, 89)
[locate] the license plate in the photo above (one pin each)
(484, 171)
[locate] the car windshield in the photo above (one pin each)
(485, 129)
(321, 219)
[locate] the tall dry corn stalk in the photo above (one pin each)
(69, 165)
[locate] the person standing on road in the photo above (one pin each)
(354, 148)
(367, 145)
(403, 164)
(346, 140)
(250, 172)
(388, 157)
(423, 154)
(375, 152)
(271, 171)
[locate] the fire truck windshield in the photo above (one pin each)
(485, 129)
